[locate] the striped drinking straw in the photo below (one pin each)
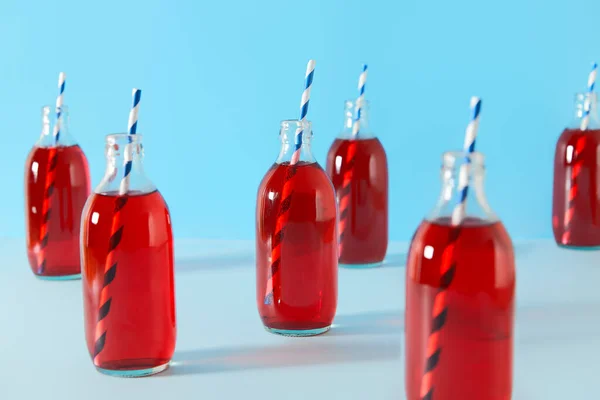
(448, 263)
(362, 80)
(344, 200)
(577, 159)
(59, 104)
(50, 173)
(286, 195)
(110, 267)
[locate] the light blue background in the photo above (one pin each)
(217, 77)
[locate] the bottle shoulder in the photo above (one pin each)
(70, 156)
(476, 231)
(143, 202)
(361, 146)
(477, 248)
(573, 134)
(302, 177)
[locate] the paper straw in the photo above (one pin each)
(448, 263)
(117, 227)
(362, 80)
(469, 147)
(310, 71)
(577, 158)
(47, 208)
(286, 195)
(344, 192)
(50, 175)
(59, 104)
(585, 121)
(132, 130)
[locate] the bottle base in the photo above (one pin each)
(361, 266)
(580, 248)
(59, 277)
(298, 333)
(135, 373)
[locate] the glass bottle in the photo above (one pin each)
(127, 266)
(357, 166)
(460, 296)
(576, 199)
(57, 184)
(296, 242)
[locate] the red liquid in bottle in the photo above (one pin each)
(364, 224)
(56, 216)
(476, 340)
(576, 200)
(140, 323)
(305, 284)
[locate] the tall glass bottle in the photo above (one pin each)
(576, 197)
(127, 266)
(357, 166)
(460, 297)
(57, 184)
(296, 242)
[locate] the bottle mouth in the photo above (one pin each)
(123, 138)
(290, 127)
(296, 123)
(52, 108)
(584, 95)
(450, 159)
(351, 103)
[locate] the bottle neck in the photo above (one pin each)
(586, 112)
(295, 138)
(124, 166)
(55, 128)
(460, 170)
(356, 120)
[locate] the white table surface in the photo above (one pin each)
(223, 351)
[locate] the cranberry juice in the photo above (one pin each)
(576, 200)
(305, 282)
(476, 339)
(54, 199)
(358, 171)
(140, 320)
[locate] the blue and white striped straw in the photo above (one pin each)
(59, 105)
(310, 70)
(131, 130)
(459, 213)
(585, 121)
(133, 114)
(362, 80)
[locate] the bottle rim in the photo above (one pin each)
(453, 158)
(64, 108)
(118, 137)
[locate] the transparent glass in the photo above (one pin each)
(460, 296)
(119, 149)
(476, 205)
(576, 199)
(357, 166)
(296, 242)
(57, 184)
(288, 133)
(350, 115)
(128, 267)
(50, 118)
